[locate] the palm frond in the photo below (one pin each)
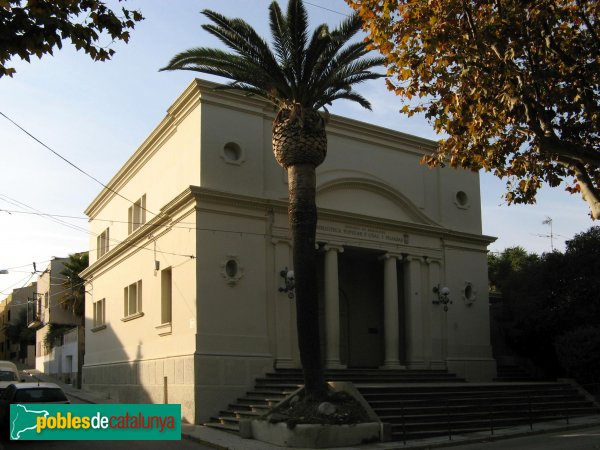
(294, 69)
(297, 19)
(329, 98)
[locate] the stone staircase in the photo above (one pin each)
(512, 373)
(425, 403)
(422, 411)
(276, 386)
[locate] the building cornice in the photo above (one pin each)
(227, 198)
(206, 92)
(139, 238)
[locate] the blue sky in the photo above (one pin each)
(97, 114)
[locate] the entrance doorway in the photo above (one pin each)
(361, 308)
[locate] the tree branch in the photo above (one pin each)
(589, 192)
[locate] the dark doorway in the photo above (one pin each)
(361, 308)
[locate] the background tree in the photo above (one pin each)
(503, 266)
(552, 304)
(299, 75)
(37, 26)
(514, 85)
(17, 331)
(73, 298)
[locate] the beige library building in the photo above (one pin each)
(189, 289)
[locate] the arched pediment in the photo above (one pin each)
(371, 198)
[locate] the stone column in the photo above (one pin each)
(391, 312)
(413, 299)
(436, 314)
(332, 307)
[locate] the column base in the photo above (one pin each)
(334, 365)
(390, 365)
(285, 363)
(417, 364)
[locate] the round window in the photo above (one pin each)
(232, 152)
(231, 268)
(469, 293)
(462, 199)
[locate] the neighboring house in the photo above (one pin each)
(46, 311)
(190, 241)
(10, 310)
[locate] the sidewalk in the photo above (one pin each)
(84, 396)
(228, 441)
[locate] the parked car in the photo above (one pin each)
(9, 374)
(36, 392)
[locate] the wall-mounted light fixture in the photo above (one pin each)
(288, 278)
(443, 296)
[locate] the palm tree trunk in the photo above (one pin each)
(302, 212)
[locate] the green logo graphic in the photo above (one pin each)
(45, 421)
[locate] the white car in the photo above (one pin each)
(9, 374)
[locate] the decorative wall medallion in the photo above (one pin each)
(232, 153)
(231, 270)
(469, 293)
(462, 200)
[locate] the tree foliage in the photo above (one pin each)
(549, 296)
(73, 298)
(514, 85)
(17, 330)
(35, 27)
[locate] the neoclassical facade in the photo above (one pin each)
(187, 296)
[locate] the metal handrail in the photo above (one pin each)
(494, 409)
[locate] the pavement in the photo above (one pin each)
(222, 440)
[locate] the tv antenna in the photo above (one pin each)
(548, 221)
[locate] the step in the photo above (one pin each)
(462, 425)
(447, 391)
(224, 427)
(396, 410)
(535, 415)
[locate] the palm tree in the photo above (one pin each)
(299, 76)
(73, 298)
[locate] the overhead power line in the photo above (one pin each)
(53, 217)
(79, 169)
(182, 225)
(327, 9)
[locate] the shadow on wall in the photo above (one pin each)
(159, 381)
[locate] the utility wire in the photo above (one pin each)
(70, 163)
(27, 277)
(134, 223)
(326, 9)
(81, 229)
(19, 204)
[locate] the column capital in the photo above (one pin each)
(413, 258)
(391, 255)
(335, 247)
(275, 241)
(430, 260)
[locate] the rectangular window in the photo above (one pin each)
(137, 214)
(99, 311)
(46, 300)
(133, 299)
(166, 295)
(102, 243)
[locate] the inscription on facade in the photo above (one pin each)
(365, 233)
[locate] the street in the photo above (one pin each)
(584, 439)
(184, 444)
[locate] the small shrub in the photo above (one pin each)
(578, 352)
